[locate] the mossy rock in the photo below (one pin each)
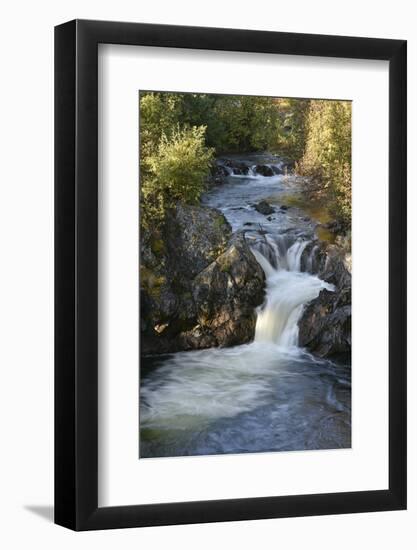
(151, 282)
(158, 247)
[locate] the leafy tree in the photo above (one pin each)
(292, 127)
(328, 153)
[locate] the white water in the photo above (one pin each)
(287, 290)
(276, 168)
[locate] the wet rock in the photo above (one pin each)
(220, 170)
(277, 169)
(264, 170)
(325, 328)
(199, 286)
(241, 170)
(238, 168)
(325, 325)
(284, 207)
(264, 208)
(226, 294)
(218, 175)
(313, 257)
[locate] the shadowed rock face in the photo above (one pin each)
(199, 286)
(325, 326)
(226, 294)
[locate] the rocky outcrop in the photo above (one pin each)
(199, 285)
(325, 326)
(226, 294)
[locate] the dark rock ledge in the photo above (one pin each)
(325, 326)
(199, 285)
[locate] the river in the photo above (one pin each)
(269, 395)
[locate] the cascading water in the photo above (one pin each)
(268, 395)
(287, 291)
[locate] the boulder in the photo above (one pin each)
(220, 170)
(264, 208)
(199, 285)
(239, 168)
(325, 325)
(227, 293)
(218, 175)
(264, 170)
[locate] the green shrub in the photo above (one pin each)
(175, 172)
(159, 114)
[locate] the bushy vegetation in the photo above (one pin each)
(327, 156)
(181, 133)
(174, 158)
(292, 130)
(175, 171)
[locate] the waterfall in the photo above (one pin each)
(288, 290)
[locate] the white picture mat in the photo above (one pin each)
(123, 478)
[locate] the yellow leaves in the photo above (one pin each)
(327, 155)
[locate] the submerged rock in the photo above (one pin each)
(199, 285)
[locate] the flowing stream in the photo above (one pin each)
(269, 395)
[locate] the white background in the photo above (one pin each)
(123, 479)
(26, 123)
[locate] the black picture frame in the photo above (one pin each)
(76, 272)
